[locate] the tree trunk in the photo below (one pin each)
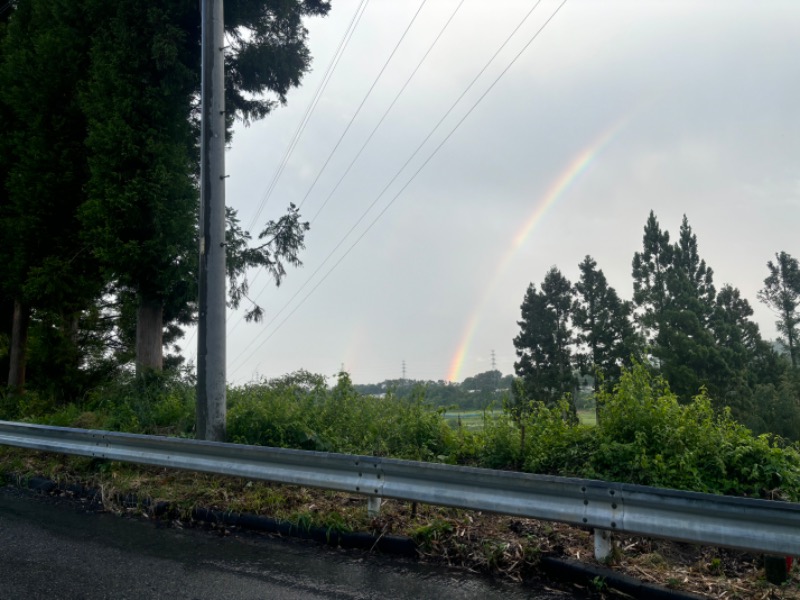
(149, 335)
(19, 347)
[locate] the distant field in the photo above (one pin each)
(470, 419)
(588, 417)
(473, 419)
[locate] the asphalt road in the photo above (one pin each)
(57, 549)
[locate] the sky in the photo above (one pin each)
(559, 148)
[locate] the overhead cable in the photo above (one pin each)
(348, 34)
(398, 173)
(419, 169)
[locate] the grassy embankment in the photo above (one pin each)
(644, 436)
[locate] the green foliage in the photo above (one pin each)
(501, 447)
(556, 444)
(477, 392)
(604, 324)
(543, 343)
(98, 168)
(646, 436)
(153, 403)
(781, 293)
(300, 413)
(271, 414)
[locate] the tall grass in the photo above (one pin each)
(643, 434)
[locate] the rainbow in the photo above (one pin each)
(559, 185)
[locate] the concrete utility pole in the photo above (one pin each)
(211, 320)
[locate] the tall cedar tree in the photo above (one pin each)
(6, 299)
(674, 298)
(604, 326)
(140, 214)
(544, 342)
(685, 344)
(751, 361)
(781, 293)
(650, 269)
(45, 265)
(142, 105)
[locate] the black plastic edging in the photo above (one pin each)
(603, 579)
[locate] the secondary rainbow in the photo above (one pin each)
(559, 185)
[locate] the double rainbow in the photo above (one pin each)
(560, 184)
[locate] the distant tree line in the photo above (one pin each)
(479, 392)
(678, 324)
(99, 108)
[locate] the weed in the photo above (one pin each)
(599, 584)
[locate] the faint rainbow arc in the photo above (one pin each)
(573, 170)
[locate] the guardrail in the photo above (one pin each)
(755, 525)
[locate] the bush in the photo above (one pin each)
(154, 403)
(299, 412)
(645, 436)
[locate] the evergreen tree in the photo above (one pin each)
(141, 100)
(604, 325)
(47, 272)
(685, 346)
(141, 212)
(781, 293)
(674, 295)
(544, 342)
(650, 268)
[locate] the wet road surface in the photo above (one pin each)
(55, 549)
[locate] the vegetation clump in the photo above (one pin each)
(643, 435)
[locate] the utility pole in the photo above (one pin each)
(211, 319)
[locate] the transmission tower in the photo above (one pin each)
(404, 370)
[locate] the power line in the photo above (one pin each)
(363, 101)
(388, 110)
(369, 138)
(397, 174)
(427, 160)
(353, 118)
(348, 34)
(383, 191)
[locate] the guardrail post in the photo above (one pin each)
(776, 569)
(373, 506)
(603, 544)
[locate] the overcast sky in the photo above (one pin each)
(615, 109)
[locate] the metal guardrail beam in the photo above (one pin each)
(749, 524)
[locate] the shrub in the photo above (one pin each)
(153, 403)
(645, 436)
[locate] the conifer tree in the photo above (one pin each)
(47, 271)
(544, 342)
(141, 102)
(674, 295)
(604, 325)
(650, 268)
(781, 293)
